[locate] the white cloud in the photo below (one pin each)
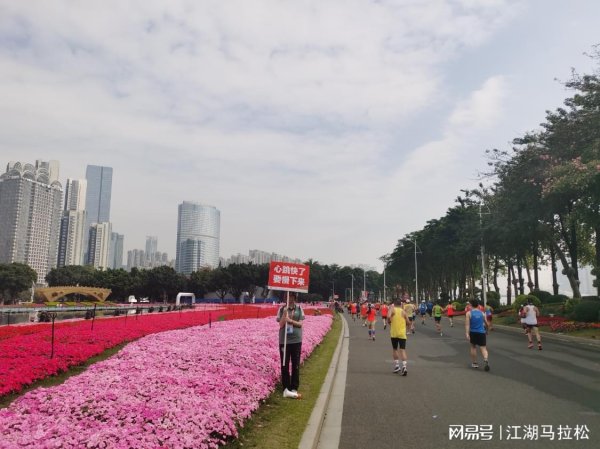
(275, 112)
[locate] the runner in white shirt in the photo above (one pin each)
(531, 313)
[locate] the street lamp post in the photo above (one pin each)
(352, 287)
(364, 281)
(333, 291)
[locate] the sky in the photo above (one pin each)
(320, 129)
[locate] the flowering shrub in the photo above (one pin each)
(188, 388)
(570, 326)
(25, 350)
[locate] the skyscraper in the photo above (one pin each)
(99, 245)
(97, 199)
(30, 205)
(72, 226)
(115, 257)
(151, 249)
(198, 237)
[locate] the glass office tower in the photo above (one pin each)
(198, 237)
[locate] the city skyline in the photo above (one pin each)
(323, 130)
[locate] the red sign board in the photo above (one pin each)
(291, 277)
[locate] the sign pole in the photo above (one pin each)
(287, 306)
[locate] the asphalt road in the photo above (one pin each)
(552, 391)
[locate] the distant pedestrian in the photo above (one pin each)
(450, 313)
(429, 308)
(437, 316)
(422, 311)
(384, 314)
(353, 310)
(363, 313)
(371, 318)
(531, 313)
(489, 315)
(410, 310)
(475, 330)
(290, 335)
(398, 321)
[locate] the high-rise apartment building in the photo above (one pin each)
(198, 237)
(30, 210)
(72, 226)
(99, 245)
(115, 254)
(97, 200)
(151, 249)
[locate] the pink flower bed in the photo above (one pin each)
(25, 350)
(188, 388)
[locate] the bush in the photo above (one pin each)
(587, 311)
(521, 300)
(570, 304)
(590, 298)
(493, 301)
(544, 296)
(559, 298)
(459, 306)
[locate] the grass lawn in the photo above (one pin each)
(279, 423)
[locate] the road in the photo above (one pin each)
(555, 391)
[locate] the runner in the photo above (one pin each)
(488, 316)
(450, 312)
(422, 311)
(429, 308)
(371, 314)
(409, 308)
(475, 330)
(398, 321)
(531, 313)
(363, 313)
(437, 316)
(384, 314)
(353, 310)
(522, 316)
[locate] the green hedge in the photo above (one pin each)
(523, 299)
(587, 311)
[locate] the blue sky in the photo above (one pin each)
(322, 130)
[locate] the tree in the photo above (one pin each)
(14, 278)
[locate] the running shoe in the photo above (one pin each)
(530, 345)
(474, 365)
(397, 368)
(403, 371)
(539, 346)
(441, 334)
(290, 394)
(486, 365)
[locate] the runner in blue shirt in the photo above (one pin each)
(476, 330)
(422, 311)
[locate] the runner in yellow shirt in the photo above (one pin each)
(409, 308)
(398, 321)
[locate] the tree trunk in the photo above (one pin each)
(597, 268)
(554, 269)
(515, 281)
(508, 284)
(536, 281)
(570, 239)
(528, 272)
(567, 270)
(520, 273)
(496, 269)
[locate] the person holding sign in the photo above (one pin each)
(290, 345)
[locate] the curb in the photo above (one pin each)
(312, 433)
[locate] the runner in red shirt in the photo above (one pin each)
(371, 314)
(384, 314)
(353, 310)
(363, 313)
(450, 313)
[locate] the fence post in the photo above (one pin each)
(209, 320)
(53, 314)
(93, 316)
(8, 318)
